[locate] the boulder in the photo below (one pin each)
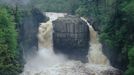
(71, 37)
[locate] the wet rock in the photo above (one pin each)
(114, 57)
(112, 72)
(71, 37)
(28, 30)
(94, 24)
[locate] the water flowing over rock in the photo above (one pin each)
(46, 62)
(46, 30)
(95, 55)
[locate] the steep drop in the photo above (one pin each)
(46, 62)
(95, 55)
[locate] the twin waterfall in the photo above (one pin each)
(46, 62)
(95, 55)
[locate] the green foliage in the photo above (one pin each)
(128, 7)
(130, 70)
(9, 64)
(131, 57)
(120, 31)
(101, 11)
(56, 5)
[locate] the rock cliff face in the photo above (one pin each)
(28, 30)
(114, 57)
(71, 37)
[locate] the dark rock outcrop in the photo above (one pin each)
(112, 72)
(71, 37)
(114, 57)
(94, 24)
(28, 30)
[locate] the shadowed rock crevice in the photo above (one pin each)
(28, 30)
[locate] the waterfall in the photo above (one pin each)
(46, 62)
(95, 55)
(45, 35)
(46, 29)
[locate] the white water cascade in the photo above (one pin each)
(95, 55)
(46, 62)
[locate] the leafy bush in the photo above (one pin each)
(9, 64)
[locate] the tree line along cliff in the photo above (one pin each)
(113, 19)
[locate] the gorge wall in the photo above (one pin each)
(28, 28)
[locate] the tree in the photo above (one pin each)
(9, 64)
